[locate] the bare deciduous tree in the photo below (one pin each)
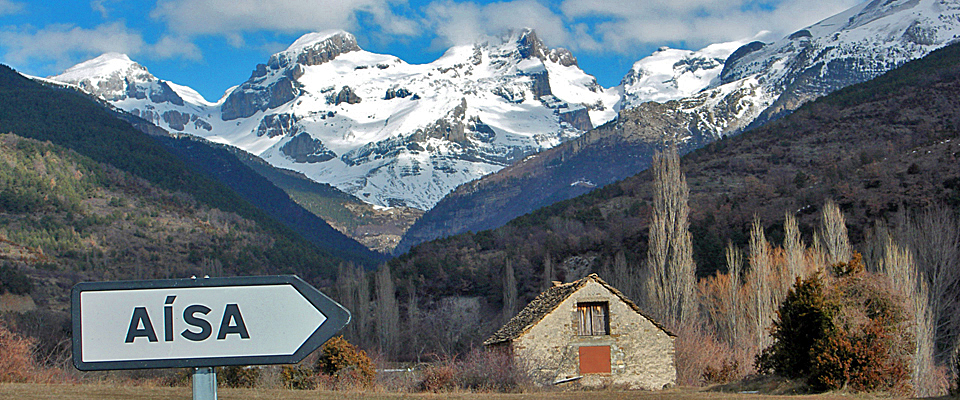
(763, 278)
(509, 291)
(934, 237)
(388, 312)
(670, 271)
(734, 270)
(354, 294)
(833, 233)
(413, 346)
(898, 265)
(547, 280)
(793, 248)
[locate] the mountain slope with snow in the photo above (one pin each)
(754, 84)
(388, 132)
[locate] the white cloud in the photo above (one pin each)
(174, 47)
(61, 46)
(10, 7)
(464, 22)
(625, 26)
(226, 17)
(64, 44)
(629, 24)
(100, 7)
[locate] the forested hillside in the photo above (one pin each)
(875, 147)
(75, 121)
(65, 218)
(878, 149)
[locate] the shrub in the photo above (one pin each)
(851, 333)
(862, 361)
(297, 377)
(485, 371)
(13, 280)
(701, 358)
(345, 362)
(238, 376)
(17, 363)
(805, 318)
(438, 378)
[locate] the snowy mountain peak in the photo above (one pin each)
(527, 45)
(116, 77)
(104, 65)
(315, 48)
(318, 38)
(671, 74)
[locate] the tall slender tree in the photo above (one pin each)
(388, 312)
(793, 247)
(934, 237)
(735, 328)
(670, 271)
(763, 278)
(833, 233)
(509, 290)
(547, 280)
(898, 265)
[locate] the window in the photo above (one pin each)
(594, 319)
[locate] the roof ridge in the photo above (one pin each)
(548, 301)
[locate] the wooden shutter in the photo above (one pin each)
(593, 319)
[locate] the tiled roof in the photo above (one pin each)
(548, 301)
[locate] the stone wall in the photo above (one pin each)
(642, 354)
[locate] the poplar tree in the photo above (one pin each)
(671, 272)
(509, 291)
(388, 311)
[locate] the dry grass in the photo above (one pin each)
(106, 392)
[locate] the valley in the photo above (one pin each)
(776, 215)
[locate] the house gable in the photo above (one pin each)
(547, 340)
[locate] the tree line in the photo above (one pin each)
(731, 323)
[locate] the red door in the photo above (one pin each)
(594, 359)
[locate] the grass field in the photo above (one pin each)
(109, 392)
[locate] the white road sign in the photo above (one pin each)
(200, 322)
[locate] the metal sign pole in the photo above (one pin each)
(204, 383)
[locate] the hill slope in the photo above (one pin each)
(72, 120)
(874, 147)
(759, 82)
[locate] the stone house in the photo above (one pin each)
(588, 331)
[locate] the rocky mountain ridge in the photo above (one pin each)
(757, 83)
(388, 132)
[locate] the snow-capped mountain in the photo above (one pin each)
(754, 84)
(129, 86)
(389, 132)
(672, 74)
(761, 81)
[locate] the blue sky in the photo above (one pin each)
(211, 45)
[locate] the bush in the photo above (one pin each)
(13, 280)
(805, 318)
(438, 378)
(297, 377)
(345, 362)
(702, 359)
(872, 344)
(17, 363)
(238, 376)
(851, 333)
(486, 371)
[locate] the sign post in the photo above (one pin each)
(200, 323)
(204, 384)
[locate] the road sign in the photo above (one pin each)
(200, 322)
